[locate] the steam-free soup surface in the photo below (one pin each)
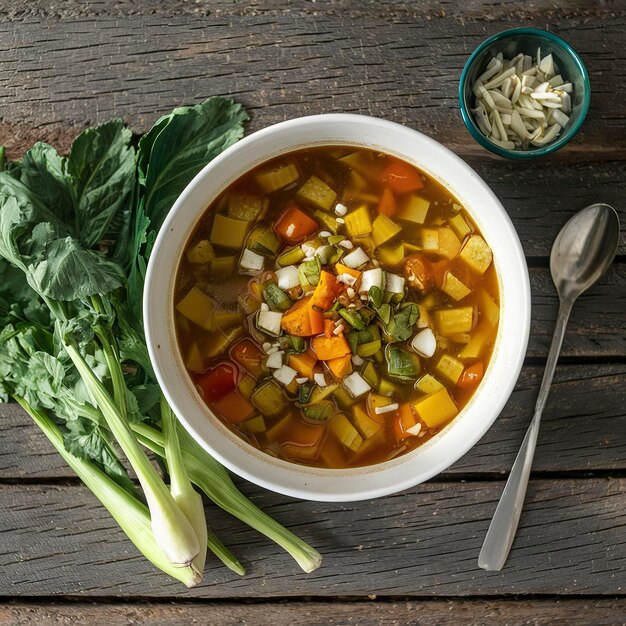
(336, 307)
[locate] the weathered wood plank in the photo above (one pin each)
(549, 612)
(582, 430)
(571, 540)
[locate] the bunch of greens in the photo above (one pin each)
(75, 236)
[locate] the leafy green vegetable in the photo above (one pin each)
(401, 363)
(353, 318)
(400, 327)
(320, 411)
(309, 273)
(275, 297)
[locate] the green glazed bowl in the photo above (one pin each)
(527, 40)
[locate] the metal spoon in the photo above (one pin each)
(581, 254)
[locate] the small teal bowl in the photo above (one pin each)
(527, 40)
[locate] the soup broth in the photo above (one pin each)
(336, 307)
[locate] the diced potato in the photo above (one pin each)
(215, 344)
(487, 308)
(343, 398)
(436, 409)
(482, 337)
(415, 210)
(333, 454)
(277, 176)
(364, 423)
(449, 368)
(345, 432)
(255, 425)
(277, 431)
(198, 308)
(453, 321)
(428, 384)
(376, 441)
(317, 192)
(361, 162)
(384, 229)
(246, 206)
(454, 287)
(461, 338)
(476, 254)
(391, 254)
(429, 239)
(356, 181)
(449, 244)
(228, 232)
(460, 227)
(194, 361)
(201, 252)
(223, 265)
(358, 222)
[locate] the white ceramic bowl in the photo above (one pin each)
(455, 439)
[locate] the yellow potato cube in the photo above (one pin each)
(345, 432)
(228, 232)
(201, 252)
(430, 239)
(415, 210)
(277, 176)
(317, 192)
(483, 336)
(384, 229)
(391, 254)
(449, 244)
(453, 321)
(358, 222)
(194, 360)
(460, 226)
(454, 287)
(364, 423)
(198, 308)
(428, 384)
(476, 254)
(487, 307)
(449, 368)
(436, 409)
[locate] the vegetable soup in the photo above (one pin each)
(336, 307)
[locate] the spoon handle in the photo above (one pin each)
(503, 526)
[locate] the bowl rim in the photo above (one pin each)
(475, 132)
(289, 478)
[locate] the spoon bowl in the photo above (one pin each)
(584, 249)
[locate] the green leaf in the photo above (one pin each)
(401, 325)
(401, 364)
(102, 170)
(180, 145)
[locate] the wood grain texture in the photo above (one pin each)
(509, 612)
(582, 430)
(58, 540)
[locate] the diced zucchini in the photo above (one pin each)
(269, 322)
(254, 425)
(436, 409)
(428, 384)
(275, 297)
(370, 374)
(345, 432)
(358, 222)
(269, 399)
(476, 254)
(368, 349)
(201, 252)
(364, 423)
(391, 254)
(459, 226)
(415, 210)
(246, 206)
(320, 411)
(388, 388)
(317, 192)
(309, 273)
(327, 221)
(263, 240)
(198, 308)
(384, 229)
(246, 386)
(353, 318)
(291, 257)
(228, 232)
(194, 360)
(277, 176)
(454, 287)
(449, 244)
(343, 398)
(453, 321)
(223, 265)
(321, 393)
(449, 368)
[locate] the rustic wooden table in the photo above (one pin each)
(406, 558)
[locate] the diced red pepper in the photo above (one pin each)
(218, 381)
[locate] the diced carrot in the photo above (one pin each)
(404, 420)
(325, 291)
(401, 177)
(471, 375)
(234, 407)
(418, 270)
(216, 382)
(340, 268)
(341, 366)
(303, 363)
(387, 204)
(249, 356)
(332, 348)
(294, 224)
(329, 327)
(303, 441)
